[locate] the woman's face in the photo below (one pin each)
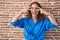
(34, 10)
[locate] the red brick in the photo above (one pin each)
(53, 0)
(25, 0)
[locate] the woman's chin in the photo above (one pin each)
(34, 14)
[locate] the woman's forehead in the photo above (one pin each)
(34, 5)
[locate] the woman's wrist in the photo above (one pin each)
(48, 14)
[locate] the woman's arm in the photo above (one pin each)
(50, 16)
(25, 10)
(15, 18)
(52, 19)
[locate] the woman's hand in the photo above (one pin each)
(25, 10)
(44, 11)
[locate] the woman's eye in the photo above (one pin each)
(36, 8)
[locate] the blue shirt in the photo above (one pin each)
(34, 31)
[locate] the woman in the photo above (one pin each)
(36, 23)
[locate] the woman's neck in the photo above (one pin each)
(34, 18)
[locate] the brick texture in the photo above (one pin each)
(10, 8)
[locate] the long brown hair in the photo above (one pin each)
(40, 15)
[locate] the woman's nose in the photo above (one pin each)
(34, 9)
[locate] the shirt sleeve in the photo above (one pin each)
(18, 23)
(50, 25)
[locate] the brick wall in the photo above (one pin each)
(10, 8)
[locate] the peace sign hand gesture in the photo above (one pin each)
(44, 11)
(25, 10)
